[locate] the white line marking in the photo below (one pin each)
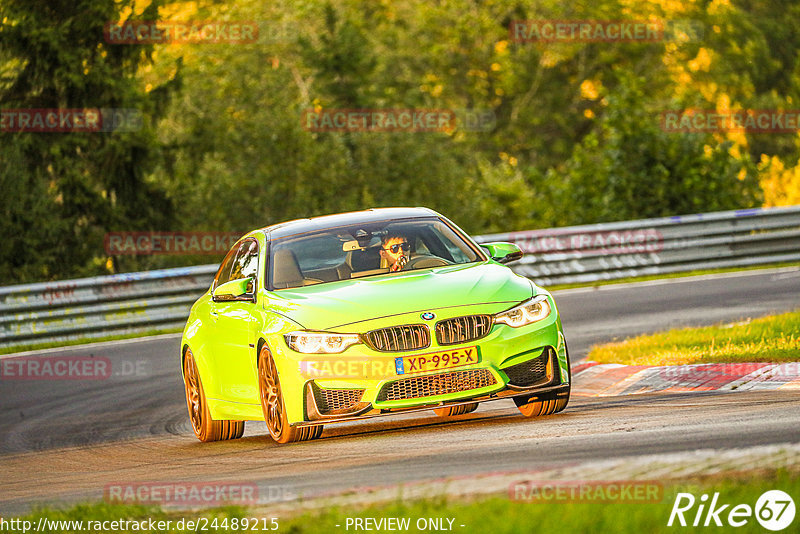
(679, 280)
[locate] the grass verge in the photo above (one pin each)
(496, 514)
(775, 338)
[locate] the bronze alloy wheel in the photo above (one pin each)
(273, 406)
(546, 404)
(205, 428)
(536, 408)
(451, 411)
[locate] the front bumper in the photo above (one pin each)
(538, 375)
(362, 382)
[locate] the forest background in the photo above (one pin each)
(576, 132)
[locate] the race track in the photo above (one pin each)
(63, 441)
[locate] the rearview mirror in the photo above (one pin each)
(240, 289)
(503, 252)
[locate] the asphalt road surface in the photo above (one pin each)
(65, 440)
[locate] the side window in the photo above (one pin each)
(246, 262)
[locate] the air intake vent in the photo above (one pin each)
(462, 329)
(399, 338)
(333, 401)
(440, 384)
(529, 372)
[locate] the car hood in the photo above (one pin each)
(336, 304)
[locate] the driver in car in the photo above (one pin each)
(396, 250)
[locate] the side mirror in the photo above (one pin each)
(241, 289)
(502, 252)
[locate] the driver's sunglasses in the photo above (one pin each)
(397, 246)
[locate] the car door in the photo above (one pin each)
(235, 324)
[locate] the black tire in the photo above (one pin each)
(547, 404)
(205, 428)
(274, 408)
(562, 401)
(452, 411)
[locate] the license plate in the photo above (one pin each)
(436, 360)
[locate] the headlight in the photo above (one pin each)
(528, 312)
(320, 342)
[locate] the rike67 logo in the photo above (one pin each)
(774, 510)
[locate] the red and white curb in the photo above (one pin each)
(599, 380)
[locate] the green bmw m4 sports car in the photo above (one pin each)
(349, 316)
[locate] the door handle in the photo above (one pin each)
(214, 313)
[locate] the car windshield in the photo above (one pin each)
(356, 251)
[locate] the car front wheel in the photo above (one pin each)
(273, 406)
(546, 404)
(452, 411)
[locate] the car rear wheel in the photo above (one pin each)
(273, 406)
(538, 407)
(546, 404)
(205, 428)
(451, 411)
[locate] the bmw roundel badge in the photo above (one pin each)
(428, 316)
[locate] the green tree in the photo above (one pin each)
(629, 168)
(68, 189)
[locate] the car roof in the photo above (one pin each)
(300, 226)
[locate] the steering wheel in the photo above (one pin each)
(423, 261)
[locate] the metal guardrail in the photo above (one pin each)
(145, 301)
(100, 306)
(608, 251)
